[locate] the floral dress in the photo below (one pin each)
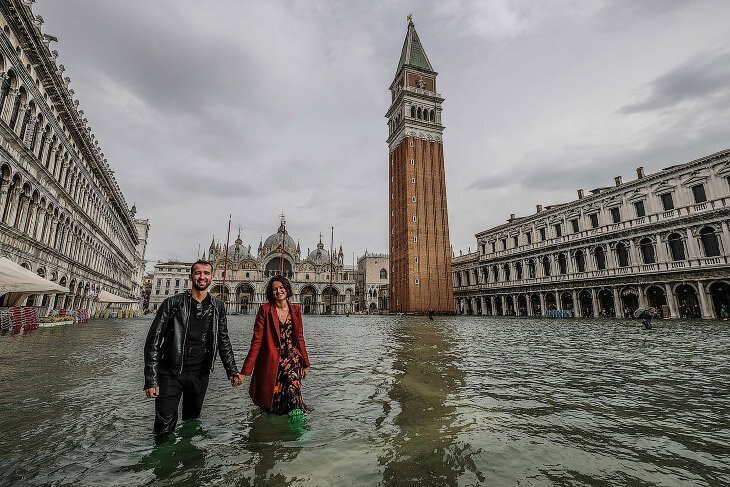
(288, 388)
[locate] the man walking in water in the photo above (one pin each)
(188, 330)
(646, 315)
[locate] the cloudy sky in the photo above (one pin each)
(206, 109)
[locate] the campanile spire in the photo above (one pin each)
(420, 260)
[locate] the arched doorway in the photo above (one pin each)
(498, 306)
(273, 267)
(605, 302)
(308, 300)
(535, 303)
(630, 301)
(329, 300)
(585, 301)
(688, 304)
(566, 300)
(510, 311)
(720, 293)
(522, 305)
(550, 301)
(656, 297)
(245, 298)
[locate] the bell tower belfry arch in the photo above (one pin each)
(420, 251)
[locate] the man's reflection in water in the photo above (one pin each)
(426, 450)
(272, 440)
(175, 459)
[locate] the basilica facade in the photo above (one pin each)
(660, 240)
(62, 213)
(321, 282)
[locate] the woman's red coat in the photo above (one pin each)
(262, 361)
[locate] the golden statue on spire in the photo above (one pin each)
(410, 18)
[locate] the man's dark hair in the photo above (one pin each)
(201, 261)
(270, 287)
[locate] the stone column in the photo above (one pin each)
(21, 215)
(643, 302)
(634, 253)
(4, 195)
(661, 249)
(29, 129)
(558, 303)
(484, 305)
(576, 304)
(693, 248)
(725, 238)
(12, 206)
(704, 302)
(493, 304)
(503, 300)
(542, 304)
(618, 309)
(530, 311)
(671, 301)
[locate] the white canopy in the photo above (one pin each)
(17, 279)
(107, 297)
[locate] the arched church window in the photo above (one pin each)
(710, 243)
(383, 274)
(413, 112)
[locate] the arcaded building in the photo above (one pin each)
(62, 213)
(662, 239)
(371, 283)
(420, 252)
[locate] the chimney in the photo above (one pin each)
(538, 208)
(511, 217)
(640, 172)
(617, 180)
(581, 194)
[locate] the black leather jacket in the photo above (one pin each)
(167, 335)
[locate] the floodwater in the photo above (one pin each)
(398, 401)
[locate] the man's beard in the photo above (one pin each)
(197, 287)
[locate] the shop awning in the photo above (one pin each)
(107, 297)
(17, 279)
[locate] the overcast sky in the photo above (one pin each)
(250, 108)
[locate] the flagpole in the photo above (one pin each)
(283, 233)
(332, 244)
(225, 264)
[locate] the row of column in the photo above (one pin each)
(706, 310)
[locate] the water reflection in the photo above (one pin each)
(176, 458)
(426, 450)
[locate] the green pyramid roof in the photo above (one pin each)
(413, 53)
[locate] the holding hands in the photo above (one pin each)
(237, 379)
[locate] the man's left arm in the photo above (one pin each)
(225, 350)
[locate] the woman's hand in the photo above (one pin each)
(305, 371)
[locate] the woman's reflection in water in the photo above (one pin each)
(271, 440)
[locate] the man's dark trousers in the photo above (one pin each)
(191, 384)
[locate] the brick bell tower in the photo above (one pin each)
(420, 251)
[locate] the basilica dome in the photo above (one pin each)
(319, 255)
(275, 239)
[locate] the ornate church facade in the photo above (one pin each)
(321, 282)
(661, 240)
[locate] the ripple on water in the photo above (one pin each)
(398, 401)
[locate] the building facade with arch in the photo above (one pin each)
(62, 213)
(371, 285)
(321, 285)
(660, 240)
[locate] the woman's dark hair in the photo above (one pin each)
(270, 288)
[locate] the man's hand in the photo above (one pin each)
(152, 391)
(237, 379)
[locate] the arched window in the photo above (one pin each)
(495, 273)
(710, 243)
(431, 116)
(420, 113)
(518, 270)
(383, 274)
(4, 92)
(580, 261)
(600, 258)
(413, 112)
(623, 254)
(676, 246)
(562, 264)
(531, 269)
(506, 272)
(546, 266)
(647, 251)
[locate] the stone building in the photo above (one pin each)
(321, 285)
(420, 255)
(660, 240)
(371, 286)
(62, 213)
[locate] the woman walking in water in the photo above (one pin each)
(277, 360)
